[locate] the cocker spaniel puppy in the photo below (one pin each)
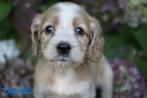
(69, 44)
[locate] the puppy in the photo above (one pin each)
(69, 43)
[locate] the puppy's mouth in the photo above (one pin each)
(62, 59)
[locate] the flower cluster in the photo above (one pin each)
(128, 83)
(132, 12)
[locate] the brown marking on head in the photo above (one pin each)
(37, 26)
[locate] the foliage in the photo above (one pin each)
(130, 24)
(5, 8)
(5, 20)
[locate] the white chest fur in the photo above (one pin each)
(65, 83)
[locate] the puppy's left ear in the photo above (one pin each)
(96, 41)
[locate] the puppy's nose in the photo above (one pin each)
(63, 48)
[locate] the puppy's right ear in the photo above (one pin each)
(35, 29)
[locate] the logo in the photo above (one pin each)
(20, 89)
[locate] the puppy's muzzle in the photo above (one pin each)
(63, 48)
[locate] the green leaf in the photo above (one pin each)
(142, 66)
(114, 45)
(5, 28)
(5, 9)
(141, 36)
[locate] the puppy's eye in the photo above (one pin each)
(79, 31)
(49, 29)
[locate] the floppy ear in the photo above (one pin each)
(35, 29)
(96, 42)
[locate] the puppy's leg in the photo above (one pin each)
(44, 95)
(39, 95)
(42, 92)
(38, 92)
(90, 94)
(82, 96)
(107, 83)
(107, 89)
(105, 79)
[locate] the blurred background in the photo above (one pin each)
(124, 25)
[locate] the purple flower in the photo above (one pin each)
(127, 80)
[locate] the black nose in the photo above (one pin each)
(63, 48)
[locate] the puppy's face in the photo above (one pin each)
(66, 34)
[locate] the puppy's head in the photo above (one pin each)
(67, 34)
